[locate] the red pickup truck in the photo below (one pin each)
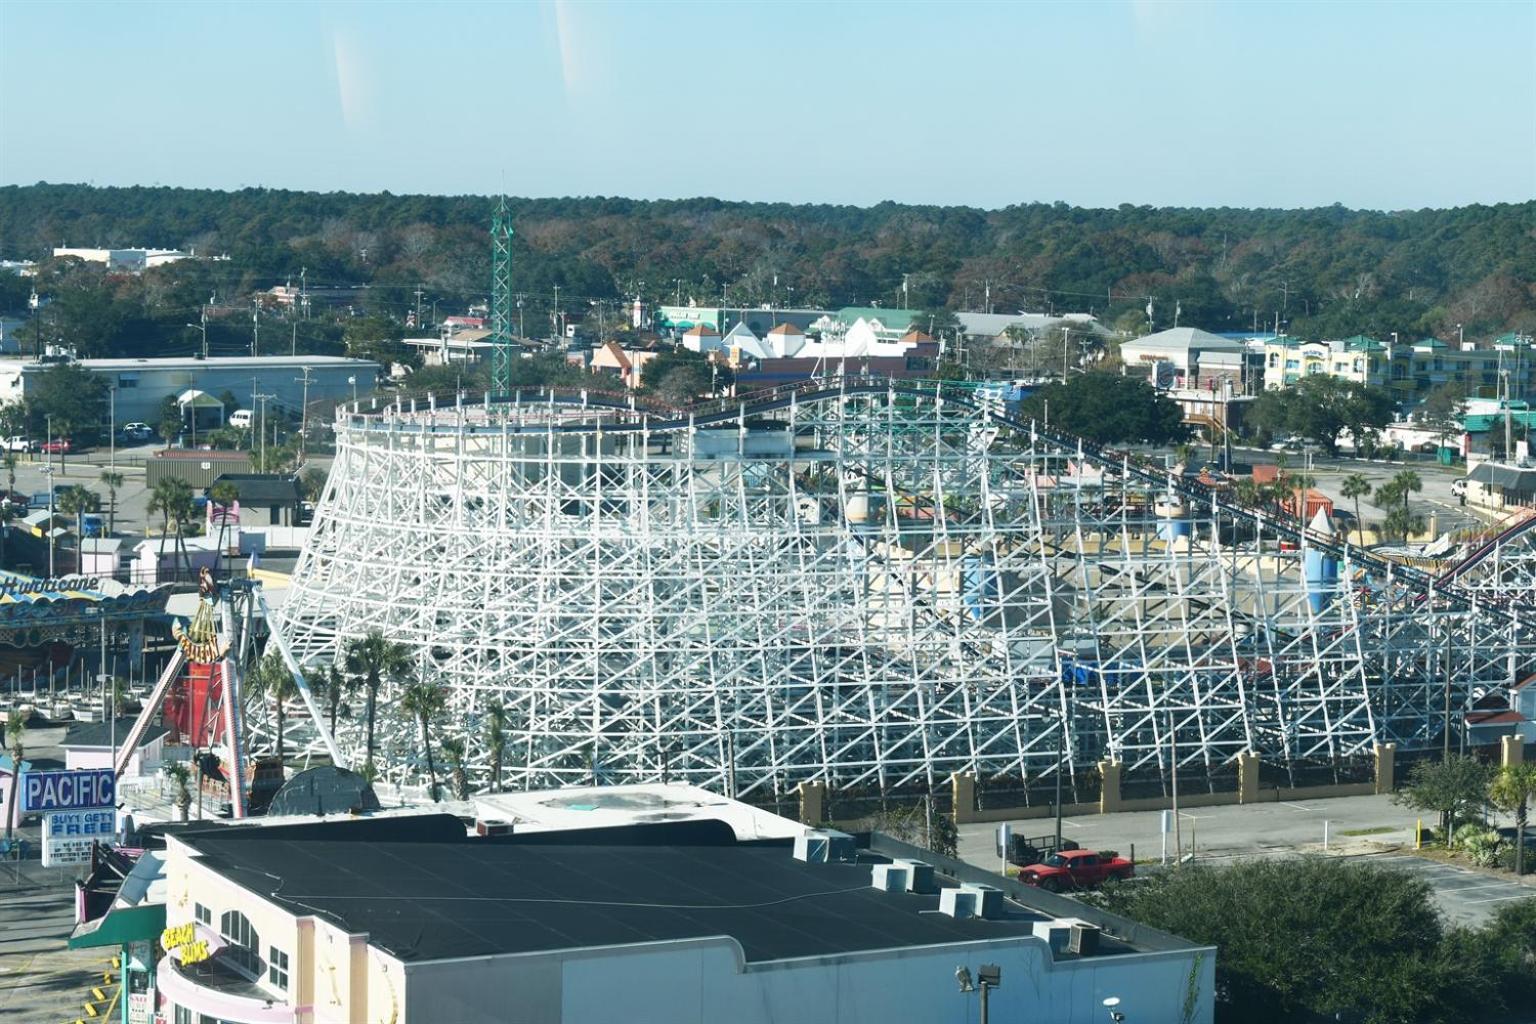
(1076, 869)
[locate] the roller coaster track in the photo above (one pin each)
(634, 416)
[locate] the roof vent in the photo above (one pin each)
(492, 827)
(890, 877)
(972, 900)
(823, 845)
(1069, 935)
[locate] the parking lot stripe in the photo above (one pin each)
(1500, 899)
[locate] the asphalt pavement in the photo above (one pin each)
(1364, 826)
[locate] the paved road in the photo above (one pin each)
(40, 979)
(1222, 834)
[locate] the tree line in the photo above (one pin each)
(1328, 272)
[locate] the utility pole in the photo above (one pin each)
(418, 307)
(1178, 831)
(520, 332)
(303, 293)
(303, 413)
(255, 326)
(263, 427)
(293, 344)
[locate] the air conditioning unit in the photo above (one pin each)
(988, 900)
(957, 903)
(823, 845)
(1083, 939)
(919, 876)
(889, 877)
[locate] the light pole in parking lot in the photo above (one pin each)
(112, 425)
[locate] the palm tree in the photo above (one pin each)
(178, 773)
(453, 749)
(15, 739)
(10, 472)
(1406, 482)
(1512, 790)
(374, 659)
(1355, 487)
(334, 683)
(111, 480)
(496, 739)
(167, 498)
(424, 700)
(224, 495)
(270, 678)
(77, 501)
(1400, 522)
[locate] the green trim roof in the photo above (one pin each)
(1429, 343)
(1360, 343)
(120, 926)
(893, 319)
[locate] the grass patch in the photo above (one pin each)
(1376, 831)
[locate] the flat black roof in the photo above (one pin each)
(437, 900)
(99, 734)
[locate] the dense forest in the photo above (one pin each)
(1327, 272)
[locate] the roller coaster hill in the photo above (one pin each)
(873, 584)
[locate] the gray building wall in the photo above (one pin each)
(144, 384)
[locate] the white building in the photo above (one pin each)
(124, 259)
(91, 745)
(1185, 356)
(653, 921)
(142, 385)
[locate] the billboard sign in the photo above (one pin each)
(79, 790)
(68, 835)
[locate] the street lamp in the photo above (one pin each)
(353, 382)
(988, 977)
(48, 475)
(1111, 1004)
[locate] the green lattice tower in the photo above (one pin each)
(501, 298)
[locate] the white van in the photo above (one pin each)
(240, 418)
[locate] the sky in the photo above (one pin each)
(1372, 105)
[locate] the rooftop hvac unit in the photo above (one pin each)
(1083, 939)
(492, 827)
(889, 877)
(972, 900)
(821, 846)
(919, 876)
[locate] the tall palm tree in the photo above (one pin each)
(1512, 790)
(335, 684)
(1406, 482)
(424, 700)
(111, 480)
(373, 659)
(224, 495)
(496, 739)
(77, 501)
(453, 749)
(270, 678)
(15, 740)
(1355, 487)
(167, 498)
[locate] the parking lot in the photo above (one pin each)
(1364, 826)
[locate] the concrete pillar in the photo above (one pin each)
(962, 787)
(1511, 751)
(1109, 791)
(1247, 777)
(813, 803)
(1386, 767)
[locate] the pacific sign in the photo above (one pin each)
(69, 791)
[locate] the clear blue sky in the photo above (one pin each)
(1373, 105)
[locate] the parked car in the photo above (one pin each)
(1077, 869)
(17, 444)
(58, 446)
(138, 431)
(240, 418)
(1459, 487)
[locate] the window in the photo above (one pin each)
(124, 383)
(277, 967)
(245, 944)
(204, 915)
(183, 1015)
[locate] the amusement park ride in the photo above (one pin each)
(201, 687)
